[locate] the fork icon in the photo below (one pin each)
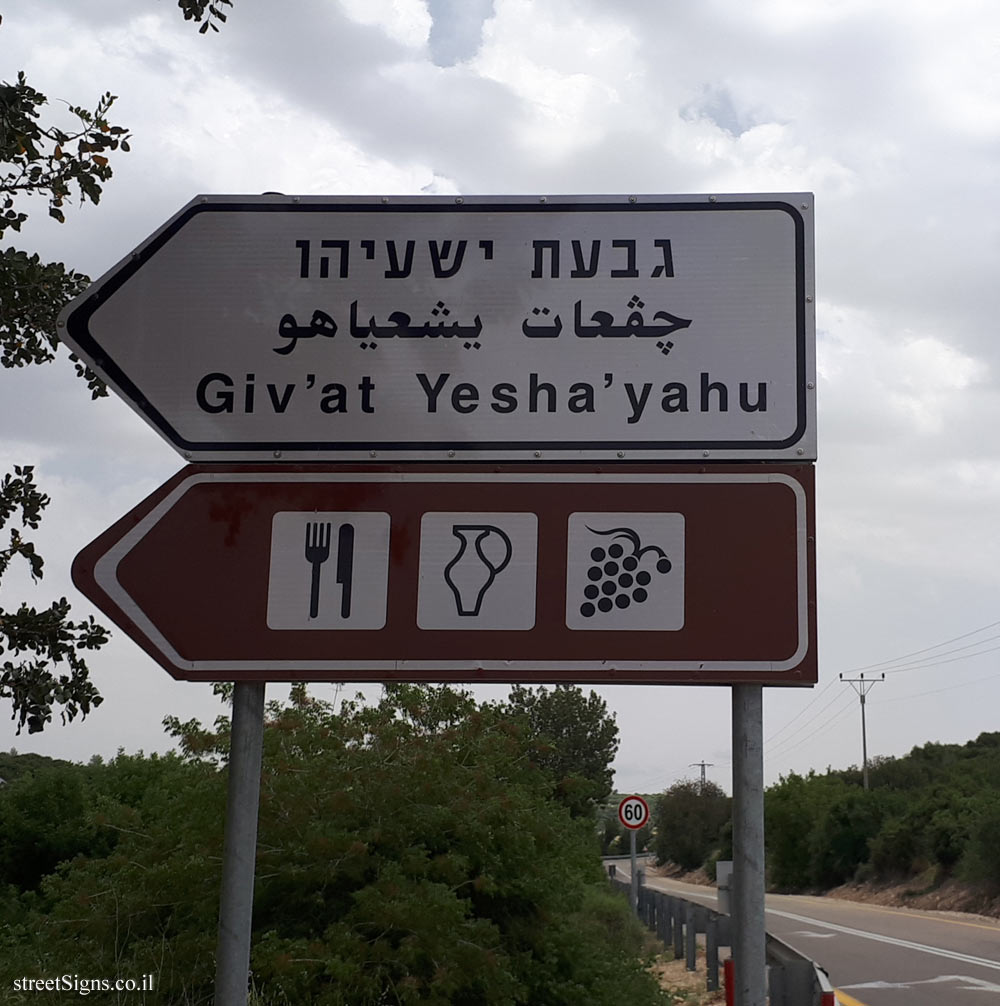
(316, 553)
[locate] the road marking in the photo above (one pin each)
(910, 913)
(845, 1000)
(953, 955)
(966, 984)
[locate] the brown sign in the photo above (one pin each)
(673, 574)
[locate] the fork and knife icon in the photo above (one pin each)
(317, 552)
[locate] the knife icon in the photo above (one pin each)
(345, 566)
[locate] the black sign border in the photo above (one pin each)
(77, 327)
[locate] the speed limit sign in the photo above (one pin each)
(633, 812)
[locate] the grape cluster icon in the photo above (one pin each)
(621, 574)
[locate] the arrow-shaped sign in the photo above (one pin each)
(322, 573)
(515, 328)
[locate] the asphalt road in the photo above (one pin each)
(878, 956)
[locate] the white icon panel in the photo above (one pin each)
(329, 570)
(625, 571)
(477, 571)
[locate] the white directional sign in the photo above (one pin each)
(582, 328)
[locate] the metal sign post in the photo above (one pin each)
(749, 947)
(633, 812)
(633, 883)
(240, 847)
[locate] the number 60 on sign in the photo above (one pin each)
(633, 812)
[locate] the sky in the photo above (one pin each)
(888, 112)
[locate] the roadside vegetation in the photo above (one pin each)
(425, 849)
(933, 814)
(928, 817)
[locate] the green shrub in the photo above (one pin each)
(896, 848)
(689, 819)
(840, 840)
(980, 862)
(412, 852)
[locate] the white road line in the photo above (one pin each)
(953, 955)
(965, 984)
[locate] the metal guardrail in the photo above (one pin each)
(793, 979)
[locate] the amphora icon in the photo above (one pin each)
(472, 570)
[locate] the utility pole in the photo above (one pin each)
(863, 686)
(703, 765)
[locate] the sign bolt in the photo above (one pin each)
(704, 454)
(372, 454)
(451, 454)
(538, 454)
(621, 454)
(277, 454)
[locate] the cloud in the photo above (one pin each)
(407, 21)
(903, 383)
(893, 122)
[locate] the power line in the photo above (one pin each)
(916, 666)
(927, 649)
(833, 718)
(938, 663)
(812, 701)
(935, 691)
(811, 719)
